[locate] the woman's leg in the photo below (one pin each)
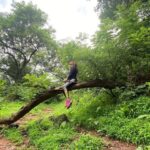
(65, 89)
(66, 85)
(66, 92)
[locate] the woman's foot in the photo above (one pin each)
(68, 103)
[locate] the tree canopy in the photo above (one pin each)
(23, 33)
(120, 48)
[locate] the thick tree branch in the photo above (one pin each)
(12, 48)
(34, 51)
(13, 57)
(53, 92)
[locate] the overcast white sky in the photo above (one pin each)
(67, 17)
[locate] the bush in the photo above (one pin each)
(90, 106)
(29, 88)
(87, 142)
(135, 131)
(13, 134)
(42, 81)
(129, 93)
(20, 92)
(45, 136)
(127, 120)
(136, 107)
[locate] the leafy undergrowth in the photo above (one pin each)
(45, 136)
(128, 121)
(13, 134)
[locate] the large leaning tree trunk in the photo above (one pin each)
(53, 92)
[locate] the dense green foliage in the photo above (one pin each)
(87, 142)
(13, 134)
(128, 120)
(32, 85)
(22, 35)
(32, 61)
(121, 47)
(43, 134)
(107, 8)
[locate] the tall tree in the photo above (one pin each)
(107, 8)
(23, 32)
(123, 43)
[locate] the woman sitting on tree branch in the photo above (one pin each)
(71, 79)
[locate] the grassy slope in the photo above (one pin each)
(43, 134)
(8, 108)
(128, 121)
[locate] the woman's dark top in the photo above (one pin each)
(73, 73)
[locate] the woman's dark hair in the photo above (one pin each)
(73, 63)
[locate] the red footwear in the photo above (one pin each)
(68, 103)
